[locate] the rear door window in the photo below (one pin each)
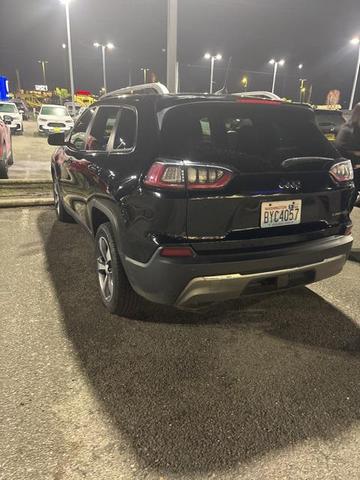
(102, 128)
(126, 131)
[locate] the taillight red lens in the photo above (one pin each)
(342, 171)
(192, 177)
(348, 230)
(205, 178)
(162, 175)
(176, 252)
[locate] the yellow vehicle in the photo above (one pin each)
(84, 100)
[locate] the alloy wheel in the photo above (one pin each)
(104, 268)
(56, 198)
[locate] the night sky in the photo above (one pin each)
(313, 32)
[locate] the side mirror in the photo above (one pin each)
(7, 120)
(56, 139)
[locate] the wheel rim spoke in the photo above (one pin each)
(104, 269)
(110, 284)
(101, 266)
(103, 248)
(56, 197)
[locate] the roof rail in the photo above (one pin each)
(145, 89)
(258, 94)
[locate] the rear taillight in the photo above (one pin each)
(342, 171)
(191, 177)
(348, 230)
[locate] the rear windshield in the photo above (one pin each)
(329, 119)
(215, 132)
(8, 108)
(56, 111)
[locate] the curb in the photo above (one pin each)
(26, 202)
(27, 182)
(355, 255)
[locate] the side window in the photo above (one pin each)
(78, 133)
(125, 135)
(102, 128)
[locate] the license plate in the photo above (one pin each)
(331, 137)
(277, 214)
(57, 130)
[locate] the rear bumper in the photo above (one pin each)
(191, 282)
(202, 290)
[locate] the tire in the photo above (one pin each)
(61, 213)
(11, 159)
(116, 292)
(3, 165)
(3, 170)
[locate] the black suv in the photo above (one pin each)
(193, 199)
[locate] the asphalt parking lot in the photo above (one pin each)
(267, 388)
(31, 155)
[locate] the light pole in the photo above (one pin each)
(302, 87)
(276, 64)
(108, 46)
(43, 64)
(145, 70)
(66, 75)
(171, 46)
(355, 41)
(212, 59)
(71, 72)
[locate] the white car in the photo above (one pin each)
(10, 110)
(73, 108)
(54, 119)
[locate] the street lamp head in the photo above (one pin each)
(272, 61)
(63, 45)
(96, 44)
(355, 41)
(207, 56)
(218, 56)
(110, 45)
(282, 62)
(65, 2)
(300, 67)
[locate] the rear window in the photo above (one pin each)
(213, 132)
(8, 108)
(329, 119)
(56, 111)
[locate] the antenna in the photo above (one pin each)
(224, 89)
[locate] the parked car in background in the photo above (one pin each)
(10, 110)
(80, 112)
(73, 108)
(54, 119)
(6, 153)
(22, 107)
(193, 199)
(329, 122)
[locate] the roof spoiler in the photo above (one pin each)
(145, 89)
(258, 94)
